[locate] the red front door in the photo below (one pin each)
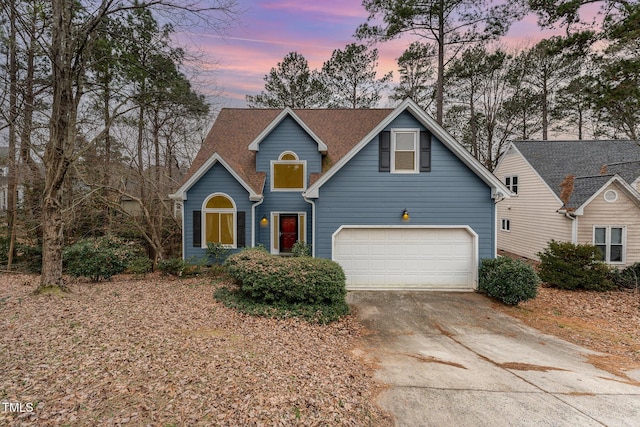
(288, 232)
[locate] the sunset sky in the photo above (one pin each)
(269, 29)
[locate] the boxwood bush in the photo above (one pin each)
(287, 285)
(508, 280)
(566, 265)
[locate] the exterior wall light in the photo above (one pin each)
(264, 221)
(405, 215)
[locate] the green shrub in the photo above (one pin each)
(271, 278)
(311, 288)
(30, 257)
(98, 258)
(301, 249)
(4, 248)
(566, 265)
(508, 280)
(629, 278)
(314, 313)
(171, 266)
(140, 265)
(217, 252)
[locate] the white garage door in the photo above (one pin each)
(442, 258)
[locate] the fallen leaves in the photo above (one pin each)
(608, 322)
(162, 351)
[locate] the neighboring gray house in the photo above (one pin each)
(575, 191)
(387, 193)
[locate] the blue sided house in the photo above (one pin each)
(386, 193)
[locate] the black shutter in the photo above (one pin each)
(384, 151)
(197, 229)
(240, 229)
(425, 151)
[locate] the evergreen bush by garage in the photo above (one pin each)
(314, 286)
(508, 280)
(566, 265)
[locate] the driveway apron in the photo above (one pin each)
(450, 359)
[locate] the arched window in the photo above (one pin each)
(219, 220)
(288, 173)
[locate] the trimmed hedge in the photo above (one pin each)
(269, 278)
(566, 265)
(310, 288)
(508, 280)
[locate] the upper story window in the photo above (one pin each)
(219, 220)
(512, 183)
(404, 151)
(288, 173)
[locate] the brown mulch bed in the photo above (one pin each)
(162, 351)
(608, 322)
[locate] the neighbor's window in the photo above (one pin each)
(288, 173)
(512, 183)
(505, 224)
(219, 220)
(404, 151)
(610, 241)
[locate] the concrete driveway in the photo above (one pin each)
(451, 360)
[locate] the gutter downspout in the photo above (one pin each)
(313, 225)
(253, 221)
(497, 198)
(574, 227)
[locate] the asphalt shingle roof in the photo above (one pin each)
(235, 128)
(593, 163)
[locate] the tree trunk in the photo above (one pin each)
(61, 144)
(545, 108)
(440, 79)
(13, 124)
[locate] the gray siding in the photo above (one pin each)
(216, 180)
(450, 194)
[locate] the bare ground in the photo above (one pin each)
(162, 351)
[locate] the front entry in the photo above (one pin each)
(288, 232)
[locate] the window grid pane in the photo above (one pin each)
(616, 253)
(616, 236)
(288, 175)
(405, 160)
(212, 227)
(219, 202)
(226, 229)
(405, 141)
(600, 236)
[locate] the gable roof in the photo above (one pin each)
(237, 132)
(340, 133)
(498, 188)
(593, 164)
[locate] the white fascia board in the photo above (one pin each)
(438, 131)
(181, 193)
(255, 145)
(624, 186)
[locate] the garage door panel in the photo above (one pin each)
(412, 258)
